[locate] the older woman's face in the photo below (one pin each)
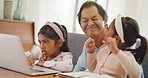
(91, 21)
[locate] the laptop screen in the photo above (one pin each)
(12, 56)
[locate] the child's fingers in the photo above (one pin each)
(40, 63)
(31, 61)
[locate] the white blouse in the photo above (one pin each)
(62, 62)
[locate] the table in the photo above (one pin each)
(5, 73)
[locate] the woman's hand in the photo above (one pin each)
(90, 45)
(112, 44)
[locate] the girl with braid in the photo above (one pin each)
(115, 57)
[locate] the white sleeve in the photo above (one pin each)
(34, 53)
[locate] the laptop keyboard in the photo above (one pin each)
(36, 70)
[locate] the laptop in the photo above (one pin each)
(12, 57)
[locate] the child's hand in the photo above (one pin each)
(40, 63)
(41, 60)
(30, 60)
(90, 45)
(112, 44)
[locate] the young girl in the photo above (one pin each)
(115, 58)
(54, 52)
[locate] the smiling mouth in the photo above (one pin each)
(91, 28)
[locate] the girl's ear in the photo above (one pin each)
(60, 43)
(106, 20)
(117, 39)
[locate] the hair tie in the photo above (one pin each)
(138, 36)
(119, 28)
(56, 28)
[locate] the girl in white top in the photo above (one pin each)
(53, 51)
(115, 58)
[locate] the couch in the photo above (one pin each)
(145, 65)
(145, 61)
(75, 44)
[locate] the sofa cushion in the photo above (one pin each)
(145, 61)
(75, 44)
(145, 65)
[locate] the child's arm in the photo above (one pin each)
(126, 59)
(33, 54)
(128, 62)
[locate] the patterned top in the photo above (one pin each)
(62, 62)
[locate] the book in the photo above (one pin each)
(82, 75)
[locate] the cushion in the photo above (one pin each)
(75, 44)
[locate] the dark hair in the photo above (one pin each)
(131, 34)
(49, 32)
(88, 4)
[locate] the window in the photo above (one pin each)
(63, 12)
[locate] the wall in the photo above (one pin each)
(41, 11)
(115, 7)
(142, 17)
(136, 9)
(133, 8)
(1, 8)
